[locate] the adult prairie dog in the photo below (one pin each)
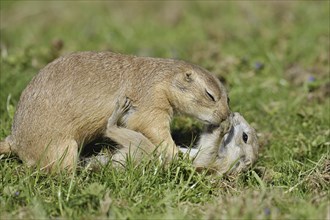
(229, 148)
(67, 104)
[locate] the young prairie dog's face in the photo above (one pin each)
(201, 95)
(239, 147)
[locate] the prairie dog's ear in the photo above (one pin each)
(189, 76)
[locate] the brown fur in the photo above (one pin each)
(68, 103)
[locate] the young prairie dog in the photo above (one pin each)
(219, 149)
(224, 150)
(67, 104)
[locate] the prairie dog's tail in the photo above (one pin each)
(4, 147)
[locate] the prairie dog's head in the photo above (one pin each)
(196, 92)
(239, 147)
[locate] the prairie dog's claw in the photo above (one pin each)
(123, 104)
(127, 105)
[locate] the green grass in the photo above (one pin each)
(291, 113)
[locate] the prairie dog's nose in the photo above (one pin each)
(225, 114)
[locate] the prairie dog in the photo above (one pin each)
(221, 149)
(226, 150)
(67, 104)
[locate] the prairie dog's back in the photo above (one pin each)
(74, 94)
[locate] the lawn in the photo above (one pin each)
(272, 56)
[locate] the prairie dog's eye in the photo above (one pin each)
(245, 137)
(210, 95)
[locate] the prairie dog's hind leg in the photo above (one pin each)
(113, 132)
(122, 106)
(61, 155)
(131, 142)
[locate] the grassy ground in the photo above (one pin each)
(275, 60)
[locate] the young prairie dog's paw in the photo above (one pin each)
(123, 104)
